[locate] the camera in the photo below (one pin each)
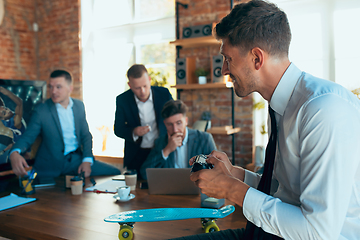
(200, 163)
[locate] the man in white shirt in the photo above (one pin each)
(137, 116)
(316, 177)
(66, 142)
(174, 149)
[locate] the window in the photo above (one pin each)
(115, 35)
(324, 43)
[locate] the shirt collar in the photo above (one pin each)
(150, 99)
(71, 103)
(186, 137)
(284, 89)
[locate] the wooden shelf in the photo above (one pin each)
(227, 130)
(196, 42)
(201, 86)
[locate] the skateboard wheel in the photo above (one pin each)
(211, 227)
(125, 233)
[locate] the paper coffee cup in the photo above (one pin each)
(67, 181)
(76, 185)
(131, 179)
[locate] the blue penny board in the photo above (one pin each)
(169, 214)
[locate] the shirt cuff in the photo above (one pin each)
(89, 159)
(135, 138)
(162, 153)
(252, 179)
(253, 202)
(15, 150)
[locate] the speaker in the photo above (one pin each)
(185, 71)
(198, 31)
(216, 66)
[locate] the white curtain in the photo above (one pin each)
(325, 39)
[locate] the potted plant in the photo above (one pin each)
(201, 73)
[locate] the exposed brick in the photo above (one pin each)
(30, 55)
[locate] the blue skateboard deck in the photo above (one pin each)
(129, 218)
(169, 214)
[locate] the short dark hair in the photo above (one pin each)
(256, 24)
(136, 71)
(62, 73)
(173, 107)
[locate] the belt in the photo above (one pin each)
(77, 151)
(145, 148)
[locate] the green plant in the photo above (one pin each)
(201, 72)
(158, 78)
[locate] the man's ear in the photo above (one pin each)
(258, 57)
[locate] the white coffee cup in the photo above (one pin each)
(131, 179)
(123, 192)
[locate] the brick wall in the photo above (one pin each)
(29, 55)
(217, 101)
(17, 41)
(26, 54)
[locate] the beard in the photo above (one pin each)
(243, 87)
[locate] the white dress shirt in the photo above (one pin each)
(317, 163)
(67, 122)
(147, 118)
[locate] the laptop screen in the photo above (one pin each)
(170, 181)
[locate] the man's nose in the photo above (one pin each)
(225, 68)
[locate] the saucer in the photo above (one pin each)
(131, 196)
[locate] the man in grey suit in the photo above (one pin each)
(66, 142)
(174, 149)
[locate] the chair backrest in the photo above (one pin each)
(202, 125)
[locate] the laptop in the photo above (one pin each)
(170, 181)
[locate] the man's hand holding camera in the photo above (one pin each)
(222, 181)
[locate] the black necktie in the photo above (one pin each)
(253, 232)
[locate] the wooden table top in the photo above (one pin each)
(57, 214)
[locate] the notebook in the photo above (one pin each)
(170, 181)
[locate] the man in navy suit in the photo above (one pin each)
(66, 145)
(137, 116)
(174, 149)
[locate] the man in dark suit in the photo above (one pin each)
(137, 116)
(174, 149)
(66, 142)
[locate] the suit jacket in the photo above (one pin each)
(127, 118)
(198, 143)
(45, 123)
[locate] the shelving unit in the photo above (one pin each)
(200, 86)
(196, 42)
(227, 130)
(201, 42)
